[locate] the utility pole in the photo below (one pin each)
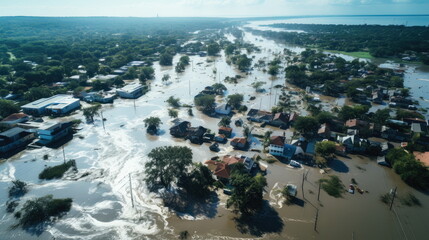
(302, 185)
(393, 198)
(318, 194)
(64, 155)
(131, 190)
(102, 120)
(315, 221)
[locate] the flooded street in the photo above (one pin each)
(113, 160)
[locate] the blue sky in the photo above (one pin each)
(209, 8)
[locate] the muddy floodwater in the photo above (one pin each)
(111, 163)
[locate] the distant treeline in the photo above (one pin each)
(379, 41)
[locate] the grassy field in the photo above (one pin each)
(353, 54)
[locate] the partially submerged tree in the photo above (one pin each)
(206, 102)
(172, 113)
(325, 148)
(167, 165)
(152, 124)
(92, 111)
(173, 102)
(18, 189)
(257, 85)
(219, 88)
(224, 122)
(198, 182)
(235, 100)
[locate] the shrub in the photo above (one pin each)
(333, 186)
(57, 171)
(18, 189)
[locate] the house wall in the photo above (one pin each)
(17, 143)
(275, 150)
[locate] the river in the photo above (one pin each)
(115, 159)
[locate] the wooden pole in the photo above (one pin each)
(315, 221)
(102, 120)
(302, 185)
(318, 194)
(131, 190)
(393, 198)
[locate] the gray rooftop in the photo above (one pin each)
(57, 101)
(12, 132)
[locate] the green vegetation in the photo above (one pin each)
(353, 54)
(213, 49)
(224, 122)
(306, 125)
(92, 111)
(333, 186)
(18, 189)
(167, 165)
(246, 197)
(197, 182)
(42, 209)
(152, 124)
(7, 107)
(411, 170)
(205, 102)
(235, 100)
(173, 113)
(326, 148)
(358, 40)
(410, 200)
(57, 171)
(173, 102)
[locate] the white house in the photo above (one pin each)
(56, 105)
(132, 91)
(51, 132)
(224, 109)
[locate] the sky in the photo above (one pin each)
(209, 8)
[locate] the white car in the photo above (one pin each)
(294, 163)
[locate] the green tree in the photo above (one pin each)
(381, 116)
(219, 88)
(173, 113)
(247, 194)
(152, 124)
(167, 165)
(273, 70)
(7, 107)
(213, 49)
(306, 125)
(235, 100)
(247, 132)
(166, 59)
(206, 102)
(267, 138)
(166, 77)
(325, 148)
(146, 73)
(257, 85)
(18, 189)
(184, 60)
(198, 182)
(92, 111)
(356, 111)
(325, 117)
(224, 122)
(173, 102)
(37, 93)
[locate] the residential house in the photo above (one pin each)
(51, 133)
(353, 143)
(131, 91)
(324, 131)
(180, 129)
(196, 134)
(220, 138)
(356, 124)
(423, 157)
(56, 105)
(239, 143)
(14, 119)
(419, 128)
(276, 145)
(222, 169)
(226, 131)
(223, 109)
(280, 120)
(394, 135)
(99, 97)
(290, 151)
(14, 138)
(292, 117)
(259, 116)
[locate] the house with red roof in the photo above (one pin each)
(15, 118)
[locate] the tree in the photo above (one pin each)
(381, 116)
(166, 59)
(306, 125)
(213, 49)
(219, 88)
(7, 107)
(356, 111)
(146, 73)
(243, 62)
(92, 111)
(257, 85)
(325, 148)
(206, 102)
(173, 102)
(224, 122)
(198, 182)
(173, 113)
(235, 100)
(267, 137)
(247, 132)
(152, 124)
(18, 189)
(166, 77)
(42, 209)
(247, 194)
(37, 93)
(184, 60)
(325, 117)
(273, 70)
(167, 165)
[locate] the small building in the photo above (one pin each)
(239, 143)
(180, 129)
(14, 138)
(259, 116)
(280, 120)
(53, 132)
(220, 138)
(324, 131)
(15, 118)
(226, 131)
(196, 134)
(131, 91)
(419, 128)
(289, 151)
(356, 124)
(60, 104)
(222, 169)
(223, 109)
(276, 145)
(99, 97)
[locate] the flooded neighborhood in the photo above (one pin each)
(111, 199)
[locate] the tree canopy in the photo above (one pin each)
(167, 165)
